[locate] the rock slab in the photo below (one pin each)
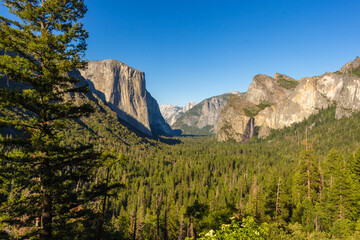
(123, 88)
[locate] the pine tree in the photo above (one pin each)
(253, 206)
(340, 199)
(277, 200)
(306, 179)
(356, 164)
(195, 211)
(306, 186)
(46, 180)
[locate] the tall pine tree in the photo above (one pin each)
(341, 189)
(45, 180)
(306, 187)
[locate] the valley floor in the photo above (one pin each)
(299, 189)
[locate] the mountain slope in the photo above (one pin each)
(103, 128)
(270, 90)
(340, 89)
(123, 88)
(202, 119)
(237, 118)
(172, 112)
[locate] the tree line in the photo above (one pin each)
(70, 171)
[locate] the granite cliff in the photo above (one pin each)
(234, 119)
(296, 103)
(237, 118)
(202, 119)
(171, 113)
(123, 89)
(270, 90)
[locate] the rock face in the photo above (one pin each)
(123, 89)
(351, 67)
(309, 97)
(203, 118)
(237, 120)
(172, 112)
(295, 104)
(268, 89)
(234, 120)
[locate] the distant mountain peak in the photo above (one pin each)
(202, 119)
(236, 93)
(172, 112)
(188, 106)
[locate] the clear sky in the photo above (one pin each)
(194, 49)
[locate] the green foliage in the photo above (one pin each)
(287, 83)
(169, 191)
(193, 130)
(357, 74)
(222, 176)
(247, 229)
(254, 110)
(306, 183)
(193, 114)
(45, 179)
(356, 164)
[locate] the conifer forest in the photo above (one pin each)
(71, 169)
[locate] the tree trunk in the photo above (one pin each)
(180, 237)
(308, 183)
(277, 206)
(192, 233)
(46, 217)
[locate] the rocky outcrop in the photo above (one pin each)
(351, 67)
(302, 99)
(172, 112)
(203, 118)
(270, 90)
(309, 97)
(123, 89)
(237, 120)
(234, 120)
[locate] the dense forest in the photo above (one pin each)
(70, 169)
(299, 183)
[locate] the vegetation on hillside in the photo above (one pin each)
(252, 111)
(192, 117)
(201, 186)
(65, 174)
(287, 83)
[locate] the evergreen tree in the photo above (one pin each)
(341, 194)
(356, 164)
(277, 200)
(254, 206)
(306, 186)
(195, 211)
(46, 179)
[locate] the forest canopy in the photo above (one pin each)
(69, 169)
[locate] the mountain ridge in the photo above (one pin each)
(310, 94)
(172, 112)
(202, 119)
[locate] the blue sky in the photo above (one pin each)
(192, 50)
